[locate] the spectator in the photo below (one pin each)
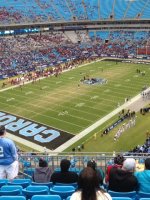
(88, 187)
(144, 178)
(100, 173)
(123, 180)
(64, 176)
(8, 157)
(118, 162)
(42, 174)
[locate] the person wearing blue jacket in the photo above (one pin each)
(144, 178)
(8, 157)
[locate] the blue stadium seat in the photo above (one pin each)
(75, 185)
(49, 184)
(145, 198)
(3, 182)
(122, 194)
(143, 195)
(23, 182)
(121, 198)
(63, 191)
(7, 190)
(46, 197)
(35, 190)
(27, 164)
(29, 171)
(68, 198)
(12, 198)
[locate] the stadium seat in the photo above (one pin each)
(68, 198)
(27, 164)
(8, 190)
(49, 184)
(143, 195)
(121, 198)
(3, 182)
(63, 191)
(46, 197)
(35, 190)
(122, 194)
(23, 182)
(145, 198)
(29, 171)
(12, 198)
(75, 185)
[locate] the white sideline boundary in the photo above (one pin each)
(97, 124)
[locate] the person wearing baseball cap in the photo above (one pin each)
(123, 179)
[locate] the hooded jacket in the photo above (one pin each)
(143, 181)
(42, 175)
(122, 181)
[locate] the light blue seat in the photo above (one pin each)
(29, 171)
(23, 182)
(8, 190)
(49, 184)
(143, 195)
(75, 185)
(3, 182)
(68, 198)
(12, 198)
(46, 197)
(26, 163)
(122, 194)
(35, 190)
(63, 191)
(121, 198)
(145, 198)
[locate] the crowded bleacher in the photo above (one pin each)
(22, 54)
(17, 11)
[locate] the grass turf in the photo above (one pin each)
(60, 103)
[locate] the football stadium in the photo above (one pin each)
(74, 87)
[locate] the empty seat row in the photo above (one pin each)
(35, 197)
(26, 182)
(62, 191)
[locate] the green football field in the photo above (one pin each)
(60, 103)
(65, 103)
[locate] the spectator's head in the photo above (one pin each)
(147, 163)
(43, 163)
(2, 130)
(64, 165)
(92, 164)
(119, 159)
(129, 165)
(88, 183)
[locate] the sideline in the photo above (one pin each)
(98, 123)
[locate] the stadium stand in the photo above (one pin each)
(28, 53)
(38, 11)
